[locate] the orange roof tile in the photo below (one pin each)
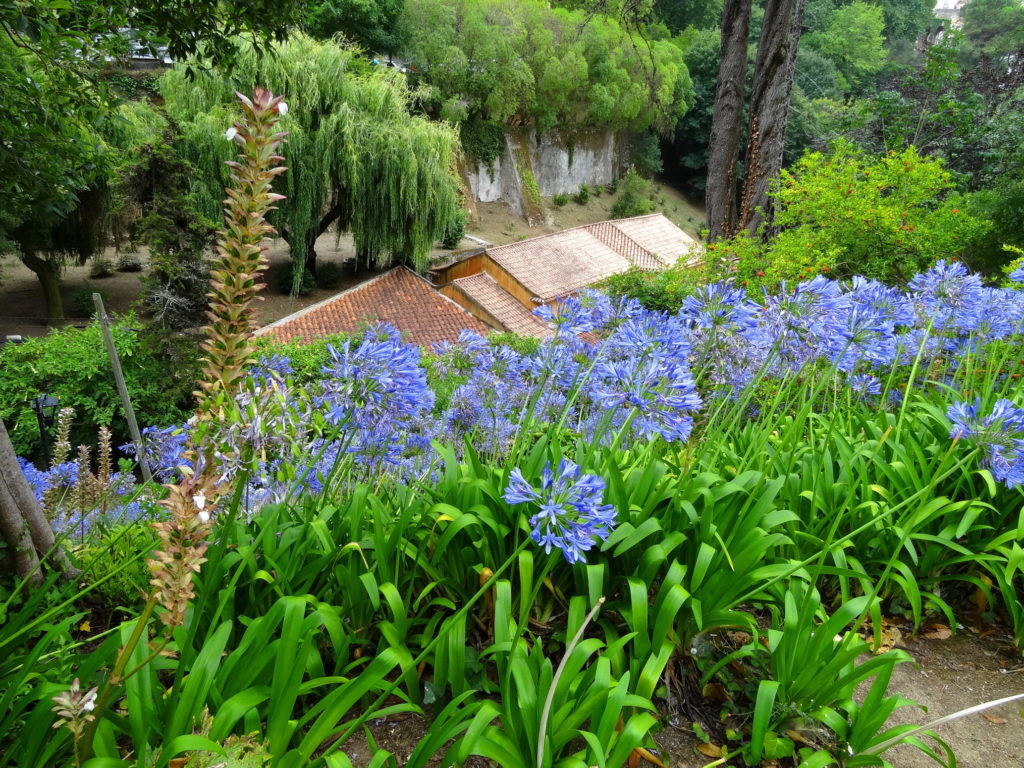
(399, 297)
(501, 305)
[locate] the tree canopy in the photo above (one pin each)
(995, 27)
(356, 156)
(58, 113)
(375, 24)
(550, 67)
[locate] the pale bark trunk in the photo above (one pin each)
(26, 531)
(726, 121)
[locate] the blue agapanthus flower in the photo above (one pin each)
(865, 384)
(1000, 436)
(949, 296)
(1017, 276)
(572, 517)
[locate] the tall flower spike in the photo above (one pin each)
(239, 260)
(234, 283)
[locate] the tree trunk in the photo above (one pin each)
(726, 121)
(48, 273)
(310, 263)
(25, 529)
(769, 107)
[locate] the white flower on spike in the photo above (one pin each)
(232, 132)
(200, 501)
(282, 108)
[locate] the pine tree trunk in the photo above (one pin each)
(24, 527)
(48, 273)
(726, 121)
(769, 107)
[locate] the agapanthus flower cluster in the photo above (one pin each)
(999, 435)
(571, 515)
(610, 371)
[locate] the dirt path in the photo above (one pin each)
(949, 675)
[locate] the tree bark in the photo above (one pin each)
(769, 107)
(332, 215)
(25, 529)
(48, 273)
(726, 120)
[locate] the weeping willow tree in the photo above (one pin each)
(356, 157)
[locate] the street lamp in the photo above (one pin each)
(45, 407)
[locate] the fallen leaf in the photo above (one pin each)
(798, 737)
(178, 762)
(716, 692)
(993, 718)
(649, 757)
(891, 636)
(939, 632)
(711, 750)
(980, 597)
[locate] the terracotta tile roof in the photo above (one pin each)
(658, 236)
(399, 297)
(558, 264)
(501, 305)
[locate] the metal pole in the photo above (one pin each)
(122, 388)
(44, 435)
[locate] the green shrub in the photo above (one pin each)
(885, 217)
(582, 197)
(329, 275)
(307, 359)
(101, 267)
(664, 290)
(129, 261)
(285, 281)
(455, 232)
(634, 197)
(72, 365)
(560, 199)
(106, 557)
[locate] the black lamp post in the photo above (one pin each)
(45, 407)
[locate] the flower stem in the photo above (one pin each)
(546, 712)
(83, 750)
